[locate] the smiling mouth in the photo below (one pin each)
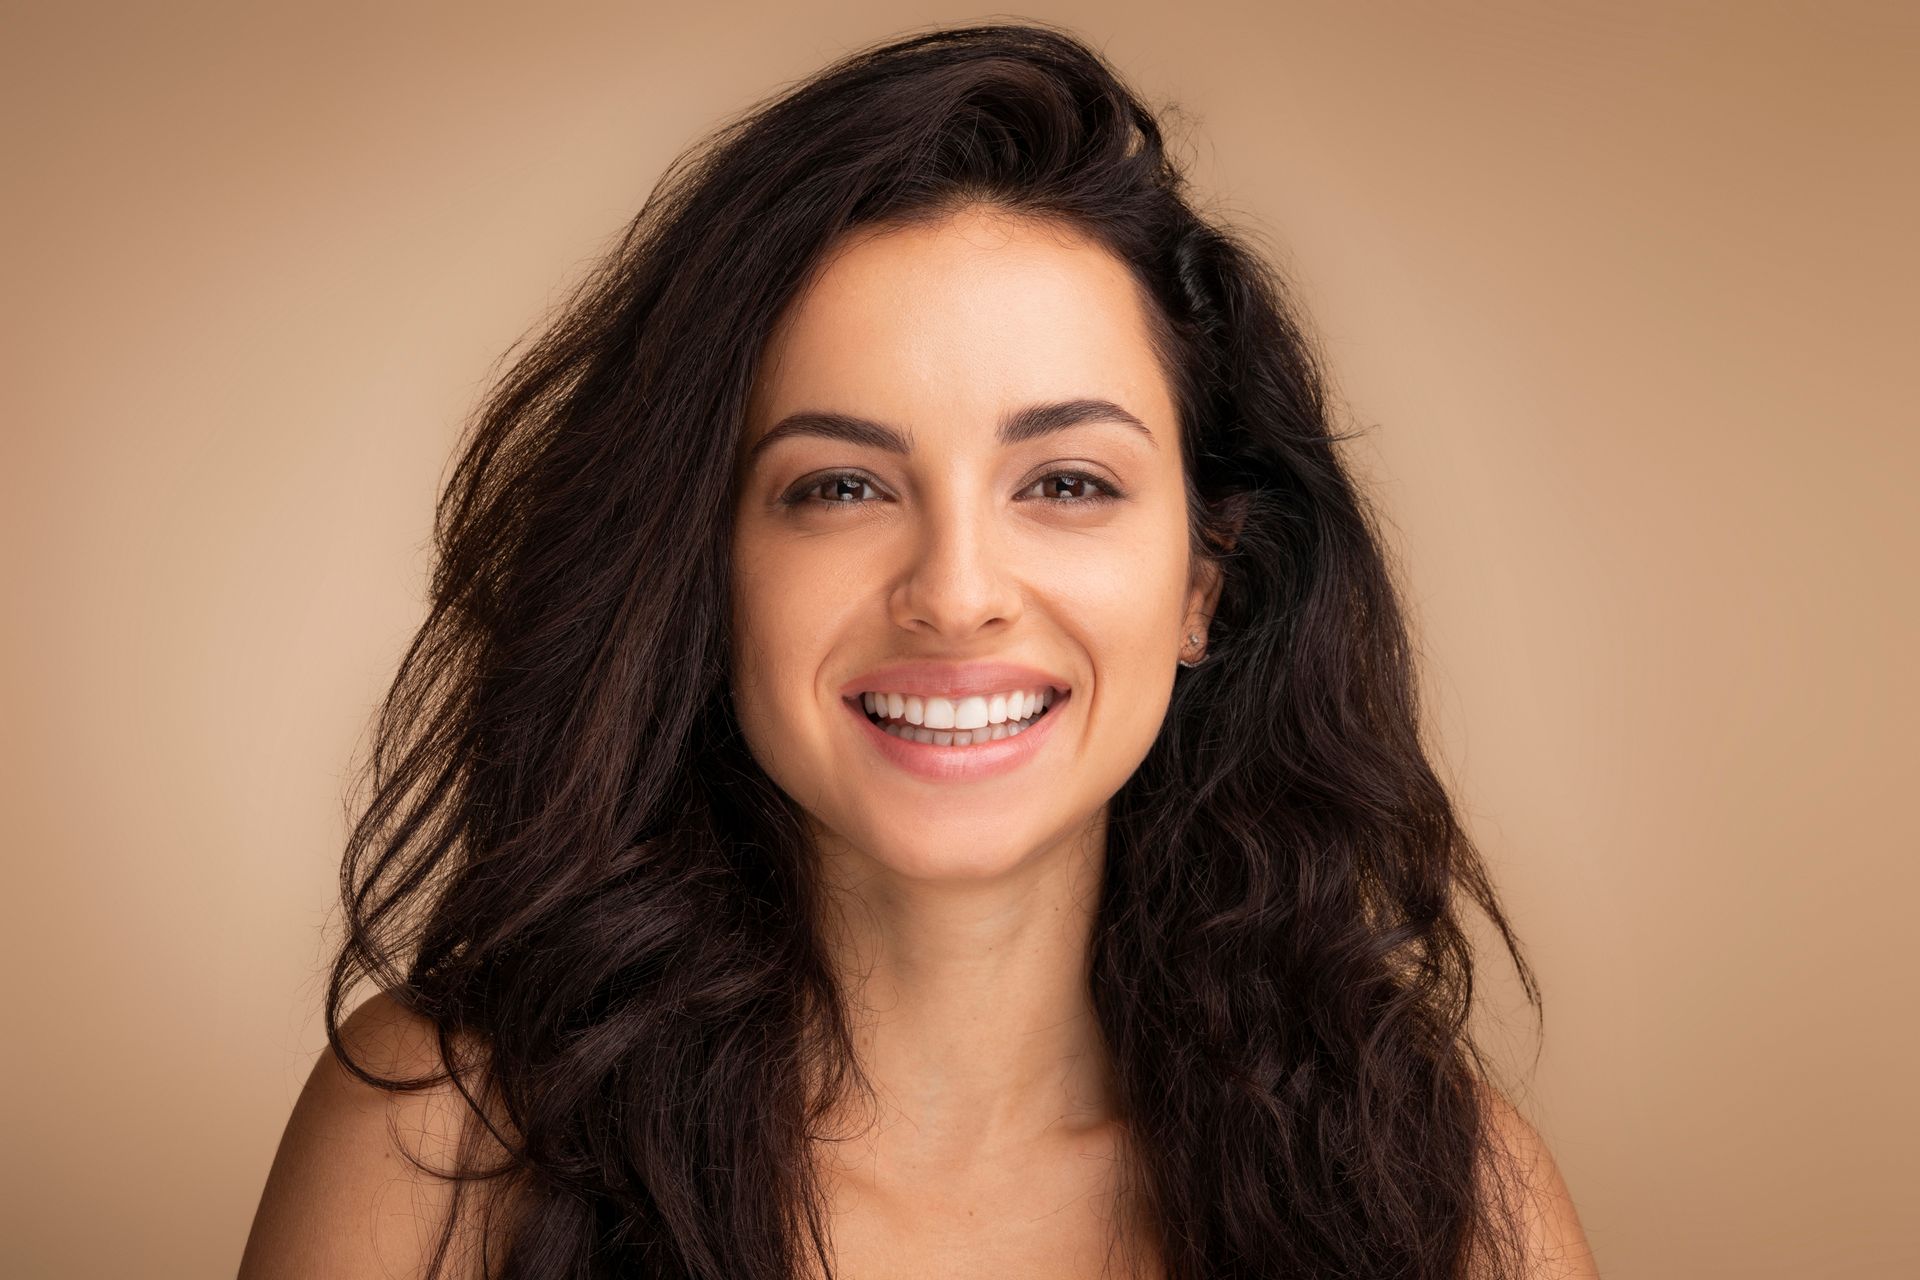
(907, 731)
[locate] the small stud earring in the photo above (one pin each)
(1193, 637)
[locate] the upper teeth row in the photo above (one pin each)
(973, 712)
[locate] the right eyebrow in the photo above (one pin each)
(1030, 423)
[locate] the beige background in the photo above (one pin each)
(1626, 292)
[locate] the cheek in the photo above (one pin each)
(1125, 607)
(1123, 597)
(789, 608)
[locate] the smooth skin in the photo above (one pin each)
(343, 1201)
(964, 909)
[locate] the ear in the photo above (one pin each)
(1204, 598)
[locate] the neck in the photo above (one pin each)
(971, 1010)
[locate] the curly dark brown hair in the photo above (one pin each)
(568, 857)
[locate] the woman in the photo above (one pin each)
(912, 765)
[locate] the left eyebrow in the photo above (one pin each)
(1030, 423)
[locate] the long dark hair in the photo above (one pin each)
(569, 859)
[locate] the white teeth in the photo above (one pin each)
(956, 721)
(944, 738)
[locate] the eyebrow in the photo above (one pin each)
(1030, 423)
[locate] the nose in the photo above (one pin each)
(960, 576)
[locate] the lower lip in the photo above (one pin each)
(961, 764)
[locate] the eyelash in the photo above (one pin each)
(802, 495)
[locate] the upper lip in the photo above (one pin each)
(951, 679)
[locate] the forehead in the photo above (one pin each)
(951, 322)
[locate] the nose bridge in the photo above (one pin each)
(958, 578)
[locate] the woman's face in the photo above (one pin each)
(961, 546)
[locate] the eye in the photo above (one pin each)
(801, 495)
(1107, 492)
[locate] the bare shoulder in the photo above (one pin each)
(1530, 1183)
(345, 1197)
